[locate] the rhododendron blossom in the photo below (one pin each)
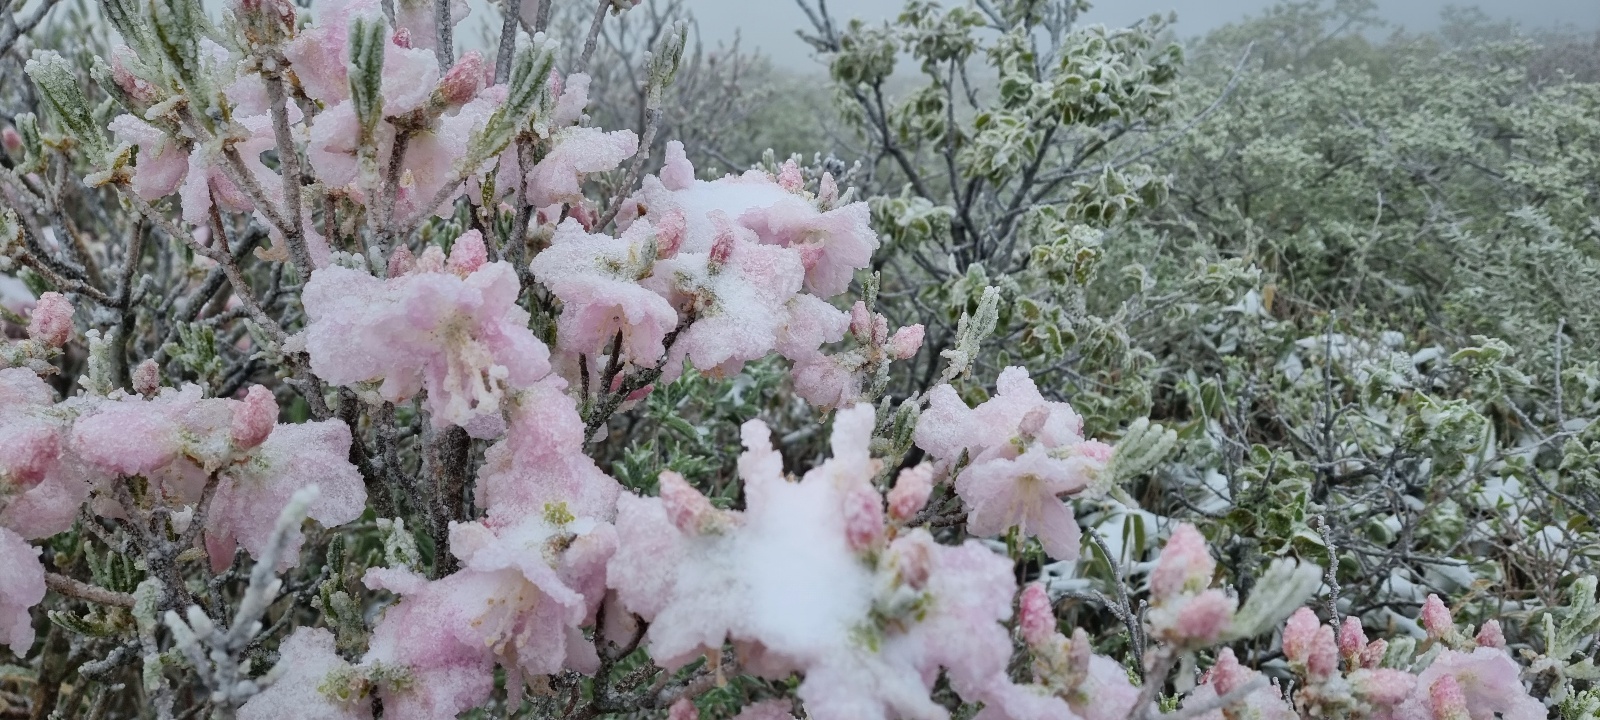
(21, 587)
(1024, 454)
(346, 375)
(782, 580)
(451, 327)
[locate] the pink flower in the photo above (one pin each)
(1486, 678)
(308, 686)
(1193, 619)
(464, 339)
(782, 580)
(1447, 700)
(254, 419)
(1228, 675)
(467, 253)
(320, 54)
(1299, 635)
(863, 517)
(1352, 640)
(541, 462)
(1382, 687)
(251, 494)
(161, 163)
(1490, 635)
(51, 322)
(40, 490)
(577, 152)
(146, 378)
(126, 438)
(21, 587)
(911, 491)
(1185, 564)
(527, 588)
(686, 507)
(597, 279)
(1372, 654)
(434, 665)
(1035, 616)
(683, 709)
(1436, 618)
(1324, 659)
(1014, 477)
(739, 306)
(906, 342)
(1023, 493)
(830, 245)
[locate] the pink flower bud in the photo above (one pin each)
(136, 88)
(1298, 635)
(254, 418)
(670, 231)
(432, 260)
(468, 253)
(863, 518)
(914, 563)
(640, 394)
(1080, 653)
(683, 709)
(585, 215)
(1372, 654)
(11, 140)
(790, 177)
(1033, 421)
(1094, 450)
(51, 322)
(1228, 675)
(402, 38)
(722, 245)
(1352, 639)
(906, 342)
(1490, 635)
(146, 378)
(463, 81)
(1185, 564)
(28, 453)
(911, 491)
(1035, 616)
(401, 262)
(687, 508)
(1203, 617)
(880, 330)
(1383, 687)
(1324, 659)
(861, 322)
(1436, 618)
(827, 189)
(1447, 700)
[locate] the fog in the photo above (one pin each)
(770, 24)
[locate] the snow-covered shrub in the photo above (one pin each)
(347, 375)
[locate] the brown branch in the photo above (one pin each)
(84, 591)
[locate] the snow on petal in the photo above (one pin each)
(21, 587)
(305, 683)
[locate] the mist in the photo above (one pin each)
(770, 25)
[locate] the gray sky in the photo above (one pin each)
(770, 24)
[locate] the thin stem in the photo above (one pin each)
(508, 41)
(84, 591)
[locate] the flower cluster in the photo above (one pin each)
(168, 459)
(1015, 456)
(585, 434)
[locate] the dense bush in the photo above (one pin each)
(1076, 372)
